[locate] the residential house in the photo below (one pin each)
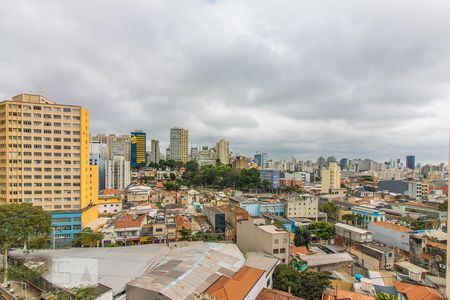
(259, 237)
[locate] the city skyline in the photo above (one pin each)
(335, 81)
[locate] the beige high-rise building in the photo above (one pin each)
(179, 141)
(331, 178)
(223, 151)
(155, 152)
(44, 156)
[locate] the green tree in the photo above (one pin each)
(323, 230)
(302, 237)
(22, 273)
(349, 218)
(249, 179)
(313, 284)
(330, 208)
(185, 233)
(192, 166)
(80, 293)
(19, 224)
(171, 186)
(285, 278)
(307, 285)
(172, 176)
(88, 238)
(385, 296)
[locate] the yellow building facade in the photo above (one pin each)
(44, 156)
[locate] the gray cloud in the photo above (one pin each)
(354, 79)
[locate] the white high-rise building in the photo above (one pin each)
(117, 173)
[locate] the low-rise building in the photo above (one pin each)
(137, 193)
(128, 228)
(329, 262)
(408, 291)
(347, 235)
(373, 256)
(429, 254)
(109, 202)
(216, 217)
(367, 213)
(257, 237)
(302, 206)
(391, 234)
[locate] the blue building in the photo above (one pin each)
(367, 214)
(138, 149)
(276, 208)
(66, 227)
(411, 162)
(260, 159)
(272, 176)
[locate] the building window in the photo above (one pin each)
(275, 251)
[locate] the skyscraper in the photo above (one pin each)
(44, 155)
(179, 141)
(223, 151)
(138, 149)
(260, 160)
(154, 154)
(331, 177)
(411, 162)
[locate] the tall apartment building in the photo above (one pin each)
(223, 151)
(179, 142)
(44, 157)
(138, 149)
(154, 154)
(117, 173)
(331, 178)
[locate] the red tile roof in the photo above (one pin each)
(268, 294)
(392, 226)
(437, 245)
(110, 192)
(413, 291)
(181, 222)
(342, 294)
(299, 250)
(237, 287)
(128, 221)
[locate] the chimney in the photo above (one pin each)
(289, 290)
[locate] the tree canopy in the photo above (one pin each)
(307, 285)
(322, 230)
(302, 237)
(19, 225)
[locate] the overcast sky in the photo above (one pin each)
(368, 79)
